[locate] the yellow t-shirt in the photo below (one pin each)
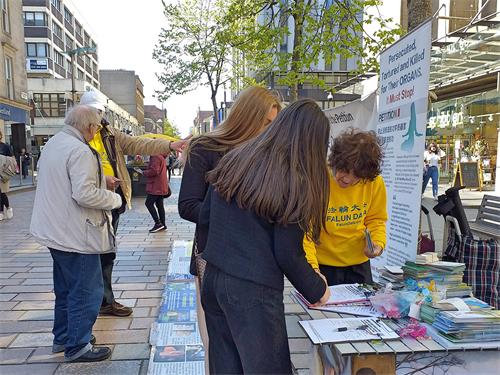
(350, 211)
(97, 144)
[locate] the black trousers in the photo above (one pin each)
(107, 262)
(151, 202)
(359, 273)
(4, 201)
(246, 326)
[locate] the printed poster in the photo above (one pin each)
(177, 360)
(401, 123)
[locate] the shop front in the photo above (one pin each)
(464, 115)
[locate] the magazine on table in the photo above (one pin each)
(322, 331)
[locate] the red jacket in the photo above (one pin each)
(156, 173)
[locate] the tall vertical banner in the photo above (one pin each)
(401, 123)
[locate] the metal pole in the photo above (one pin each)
(73, 91)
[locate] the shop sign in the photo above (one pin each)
(445, 119)
(11, 113)
(38, 65)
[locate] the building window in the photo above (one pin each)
(37, 50)
(57, 30)
(56, 4)
(68, 16)
(78, 29)
(80, 75)
(59, 58)
(87, 61)
(9, 77)
(5, 16)
(49, 105)
(70, 44)
(35, 19)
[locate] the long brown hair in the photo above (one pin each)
(281, 174)
(245, 120)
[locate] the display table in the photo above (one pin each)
(385, 357)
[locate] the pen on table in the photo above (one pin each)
(344, 329)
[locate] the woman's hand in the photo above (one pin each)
(377, 251)
(326, 295)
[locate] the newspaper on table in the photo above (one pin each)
(323, 331)
(180, 259)
(177, 360)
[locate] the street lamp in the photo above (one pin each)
(72, 53)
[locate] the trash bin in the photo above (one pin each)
(138, 181)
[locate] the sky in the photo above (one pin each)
(126, 32)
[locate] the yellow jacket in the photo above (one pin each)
(350, 211)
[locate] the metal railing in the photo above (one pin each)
(25, 179)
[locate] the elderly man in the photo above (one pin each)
(72, 217)
(113, 145)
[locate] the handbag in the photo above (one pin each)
(199, 262)
(169, 192)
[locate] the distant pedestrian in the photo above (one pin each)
(72, 217)
(157, 189)
(432, 157)
(25, 162)
(264, 196)
(254, 109)
(170, 164)
(6, 211)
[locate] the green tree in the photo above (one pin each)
(169, 128)
(192, 48)
(321, 29)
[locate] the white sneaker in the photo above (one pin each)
(1, 216)
(9, 213)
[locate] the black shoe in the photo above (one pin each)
(157, 228)
(59, 348)
(96, 354)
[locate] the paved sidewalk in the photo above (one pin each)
(26, 298)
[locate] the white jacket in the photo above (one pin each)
(72, 209)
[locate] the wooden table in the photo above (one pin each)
(382, 357)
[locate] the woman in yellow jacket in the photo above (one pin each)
(357, 202)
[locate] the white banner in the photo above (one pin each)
(360, 114)
(401, 122)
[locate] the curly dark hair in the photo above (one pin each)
(355, 151)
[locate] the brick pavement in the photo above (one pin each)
(26, 298)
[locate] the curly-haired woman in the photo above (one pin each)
(357, 202)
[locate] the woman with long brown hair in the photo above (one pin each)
(264, 195)
(254, 108)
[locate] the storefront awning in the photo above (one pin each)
(466, 55)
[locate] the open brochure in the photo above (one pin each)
(343, 294)
(177, 360)
(324, 331)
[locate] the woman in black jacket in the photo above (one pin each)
(254, 108)
(264, 195)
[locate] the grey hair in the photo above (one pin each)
(81, 116)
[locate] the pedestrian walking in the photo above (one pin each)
(357, 202)
(432, 157)
(6, 212)
(170, 164)
(72, 217)
(112, 145)
(157, 188)
(25, 162)
(252, 111)
(264, 195)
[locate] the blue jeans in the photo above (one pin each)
(246, 325)
(432, 173)
(78, 289)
